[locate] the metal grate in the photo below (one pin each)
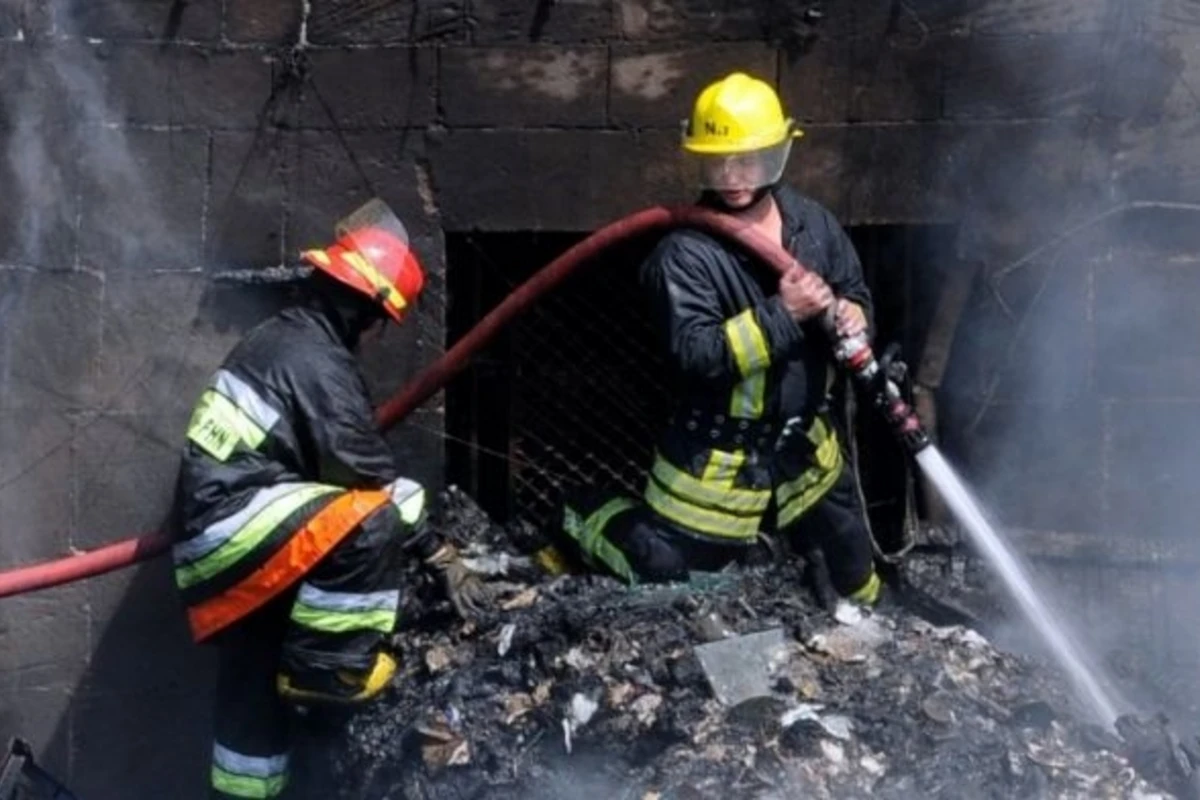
(570, 395)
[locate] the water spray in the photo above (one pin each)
(855, 355)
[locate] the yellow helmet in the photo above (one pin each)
(737, 139)
(736, 114)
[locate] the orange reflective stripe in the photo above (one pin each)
(323, 531)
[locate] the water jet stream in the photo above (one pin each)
(1009, 569)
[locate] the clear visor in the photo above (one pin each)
(360, 229)
(739, 171)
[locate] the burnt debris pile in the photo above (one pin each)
(735, 685)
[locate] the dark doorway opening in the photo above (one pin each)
(570, 394)
(574, 391)
(905, 267)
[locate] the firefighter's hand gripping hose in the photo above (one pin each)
(853, 353)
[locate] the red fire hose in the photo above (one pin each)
(434, 377)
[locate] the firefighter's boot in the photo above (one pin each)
(337, 687)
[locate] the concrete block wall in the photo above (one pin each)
(155, 148)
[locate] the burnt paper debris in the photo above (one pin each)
(734, 685)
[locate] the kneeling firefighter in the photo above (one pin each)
(750, 438)
(290, 513)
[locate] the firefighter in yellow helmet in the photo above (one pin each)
(750, 438)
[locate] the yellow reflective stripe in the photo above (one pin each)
(868, 593)
(801, 494)
(748, 398)
(249, 536)
(376, 279)
(698, 492)
(821, 435)
(217, 425)
(248, 786)
(705, 520)
(722, 467)
(797, 496)
(338, 612)
(828, 458)
(805, 492)
(221, 531)
(749, 347)
(589, 533)
(747, 342)
(320, 619)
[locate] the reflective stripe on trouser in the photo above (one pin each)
(596, 548)
(251, 737)
(239, 564)
(711, 503)
(347, 606)
(798, 495)
(835, 525)
(239, 775)
(345, 612)
(868, 593)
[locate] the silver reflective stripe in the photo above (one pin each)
(409, 499)
(348, 601)
(220, 532)
(250, 766)
(246, 398)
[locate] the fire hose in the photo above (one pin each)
(853, 353)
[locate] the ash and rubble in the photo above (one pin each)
(735, 685)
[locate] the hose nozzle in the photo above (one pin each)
(881, 384)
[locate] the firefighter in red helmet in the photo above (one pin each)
(290, 511)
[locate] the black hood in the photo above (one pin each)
(347, 312)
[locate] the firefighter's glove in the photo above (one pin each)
(464, 589)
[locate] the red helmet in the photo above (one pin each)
(372, 256)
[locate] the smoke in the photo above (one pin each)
(1073, 393)
(53, 107)
(93, 160)
(37, 177)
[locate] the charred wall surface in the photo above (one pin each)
(162, 155)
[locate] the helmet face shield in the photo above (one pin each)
(732, 172)
(371, 227)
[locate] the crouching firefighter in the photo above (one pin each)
(290, 514)
(749, 439)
